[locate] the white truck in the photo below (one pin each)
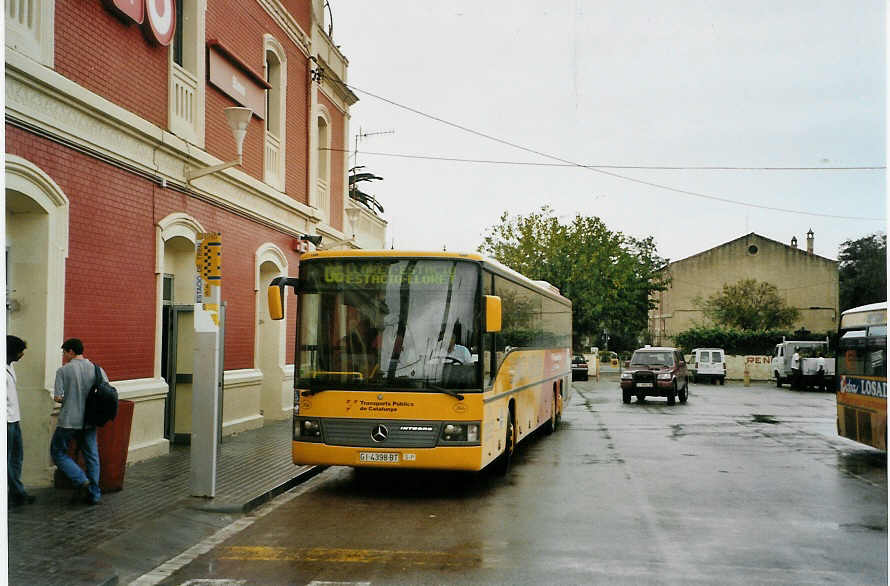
(709, 364)
(815, 371)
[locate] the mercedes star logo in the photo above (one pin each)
(380, 433)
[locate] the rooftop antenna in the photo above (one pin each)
(361, 134)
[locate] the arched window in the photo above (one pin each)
(185, 102)
(323, 166)
(276, 76)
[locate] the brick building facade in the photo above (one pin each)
(104, 124)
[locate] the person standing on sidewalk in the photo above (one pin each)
(74, 379)
(15, 451)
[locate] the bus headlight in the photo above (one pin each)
(460, 432)
(310, 428)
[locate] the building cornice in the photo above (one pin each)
(41, 99)
(284, 19)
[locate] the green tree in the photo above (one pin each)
(748, 305)
(608, 276)
(862, 271)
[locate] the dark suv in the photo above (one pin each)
(655, 371)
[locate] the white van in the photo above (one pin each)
(709, 364)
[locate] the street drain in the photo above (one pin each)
(764, 419)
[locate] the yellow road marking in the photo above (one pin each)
(355, 556)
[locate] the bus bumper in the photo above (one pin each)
(439, 458)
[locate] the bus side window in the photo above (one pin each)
(488, 340)
(848, 360)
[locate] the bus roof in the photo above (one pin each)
(869, 307)
(489, 263)
(362, 253)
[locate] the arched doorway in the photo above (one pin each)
(36, 246)
(178, 235)
(276, 400)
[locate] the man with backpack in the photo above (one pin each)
(74, 379)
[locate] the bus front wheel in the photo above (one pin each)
(509, 446)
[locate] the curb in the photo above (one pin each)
(230, 508)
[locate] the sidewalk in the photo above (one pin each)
(153, 518)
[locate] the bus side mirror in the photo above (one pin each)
(492, 313)
(275, 294)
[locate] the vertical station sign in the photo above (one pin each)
(208, 262)
(205, 378)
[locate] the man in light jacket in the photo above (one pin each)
(74, 379)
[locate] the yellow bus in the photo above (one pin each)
(862, 375)
(430, 360)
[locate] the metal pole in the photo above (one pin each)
(206, 366)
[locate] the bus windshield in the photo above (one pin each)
(863, 351)
(389, 323)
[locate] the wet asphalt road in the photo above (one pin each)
(738, 486)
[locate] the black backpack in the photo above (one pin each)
(101, 405)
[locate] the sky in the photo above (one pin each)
(561, 84)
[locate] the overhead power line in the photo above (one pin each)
(595, 169)
(603, 165)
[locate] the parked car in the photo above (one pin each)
(656, 371)
(709, 364)
(579, 367)
(609, 358)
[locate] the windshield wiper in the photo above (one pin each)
(457, 396)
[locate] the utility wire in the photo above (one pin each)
(604, 166)
(595, 169)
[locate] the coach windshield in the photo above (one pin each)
(385, 323)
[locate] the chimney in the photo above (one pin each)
(794, 242)
(810, 242)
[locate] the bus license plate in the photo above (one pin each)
(387, 457)
(644, 385)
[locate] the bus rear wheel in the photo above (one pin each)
(551, 425)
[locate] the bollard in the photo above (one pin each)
(747, 377)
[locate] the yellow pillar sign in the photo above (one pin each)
(208, 262)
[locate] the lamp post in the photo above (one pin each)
(238, 120)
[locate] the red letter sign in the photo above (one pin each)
(161, 21)
(127, 9)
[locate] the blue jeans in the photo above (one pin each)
(86, 443)
(14, 455)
